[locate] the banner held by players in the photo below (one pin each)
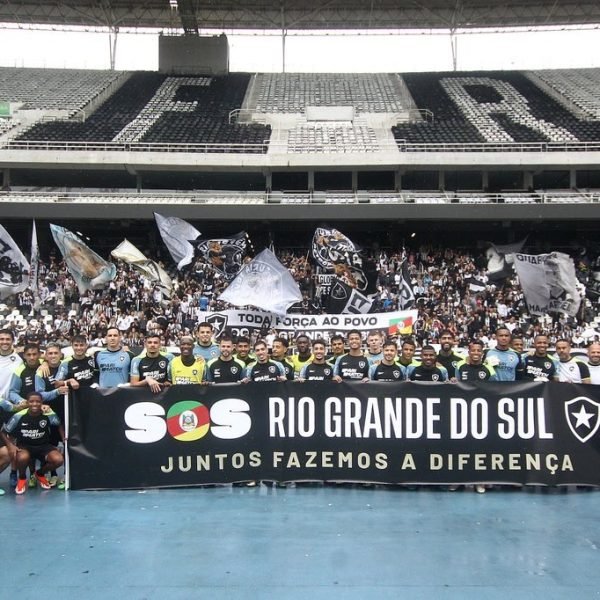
(522, 433)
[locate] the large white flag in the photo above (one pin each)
(264, 283)
(128, 253)
(90, 271)
(176, 234)
(13, 266)
(549, 282)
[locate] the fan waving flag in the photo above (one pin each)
(176, 234)
(13, 266)
(264, 283)
(225, 255)
(128, 253)
(90, 271)
(549, 283)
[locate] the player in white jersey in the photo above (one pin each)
(570, 370)
(9, 360)
(594, 362)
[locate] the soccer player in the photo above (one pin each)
(518, 344)
(225, 368)
(504, 360)
(446, 356)
(318, 369)
(354, 365)
(388, 368)
(304, 354)
(53, 393)
(23, 378)
(279, 353)
(50, 386)
(9, 360)
(337, 349)
(205, 347)
(570, 370)
(151, 367)
(407, 353)
(263, 368)
(186, 368)
(27, 437)
(242, 350)
(472, 367)
(113, 363)
(540, 366)
(594, 362)
(428, 370)
(374, 351)
(78, 370)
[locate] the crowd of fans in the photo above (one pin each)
(451, 291)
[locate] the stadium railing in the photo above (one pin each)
(317, 197)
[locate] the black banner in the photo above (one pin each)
(521, 433)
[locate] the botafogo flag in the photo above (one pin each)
(226, 254)
(264, 283)
(176, 234)
(89, 270)
(150, 269)
(13, 266)
(549, 283)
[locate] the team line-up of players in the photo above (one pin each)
(201, 360)
(32, 388)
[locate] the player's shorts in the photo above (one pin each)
(39, 452)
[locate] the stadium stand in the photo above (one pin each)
(7, 124)
(485, 111)
(293, 92)
(477, 108)
(332, 137)
(576, 87)
(150, 107)
(59, 89)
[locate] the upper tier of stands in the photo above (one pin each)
(489, 107)
(483, 111)
(53, 89)
(293, 92)
(151, 107)
(580, 87)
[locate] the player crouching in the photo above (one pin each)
(27, 437)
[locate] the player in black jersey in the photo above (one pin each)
(446, 356)
(353, 366)
(337, 349)
(539, 366)
(263, 368)
(388, 369)
(407, 353)
(242, 350)
(427, 370)
(78, 370)
(225, 368)
(151, 367)
(472, 367)
(27, 437)
(318, 369)
(279, 353)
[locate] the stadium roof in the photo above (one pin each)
(301, 14)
